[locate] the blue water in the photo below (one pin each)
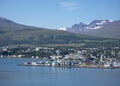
(13, 75)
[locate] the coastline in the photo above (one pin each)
(69, 66)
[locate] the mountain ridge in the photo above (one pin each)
(98, 28)
(13, 33)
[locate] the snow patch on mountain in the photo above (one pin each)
(110, 20)
(101, 23)
(92, 28)
(96, 24)
(63, 28)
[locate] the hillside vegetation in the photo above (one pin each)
(12, 33)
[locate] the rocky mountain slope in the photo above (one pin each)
(98, 28)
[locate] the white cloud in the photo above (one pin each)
(70, 5)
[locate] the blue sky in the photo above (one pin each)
(58, 13)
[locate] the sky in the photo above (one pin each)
(54, 14)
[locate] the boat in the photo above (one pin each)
(30, 64)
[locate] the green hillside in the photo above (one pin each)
(16, 34)
(39, 36)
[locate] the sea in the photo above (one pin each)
(11, 74)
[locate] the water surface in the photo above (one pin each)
(13, 75)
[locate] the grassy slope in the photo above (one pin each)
(36, 36)
(12, 33)
(43, 36)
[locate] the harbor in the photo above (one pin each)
(66, 63)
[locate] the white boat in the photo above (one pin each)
(30, 63)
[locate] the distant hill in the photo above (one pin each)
(98, 28)
(12, 33)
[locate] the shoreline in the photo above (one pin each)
(68, 66)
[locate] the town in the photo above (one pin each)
(66, 56)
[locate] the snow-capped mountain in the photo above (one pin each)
(97, 24)
(98, 28)
(83, 28)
